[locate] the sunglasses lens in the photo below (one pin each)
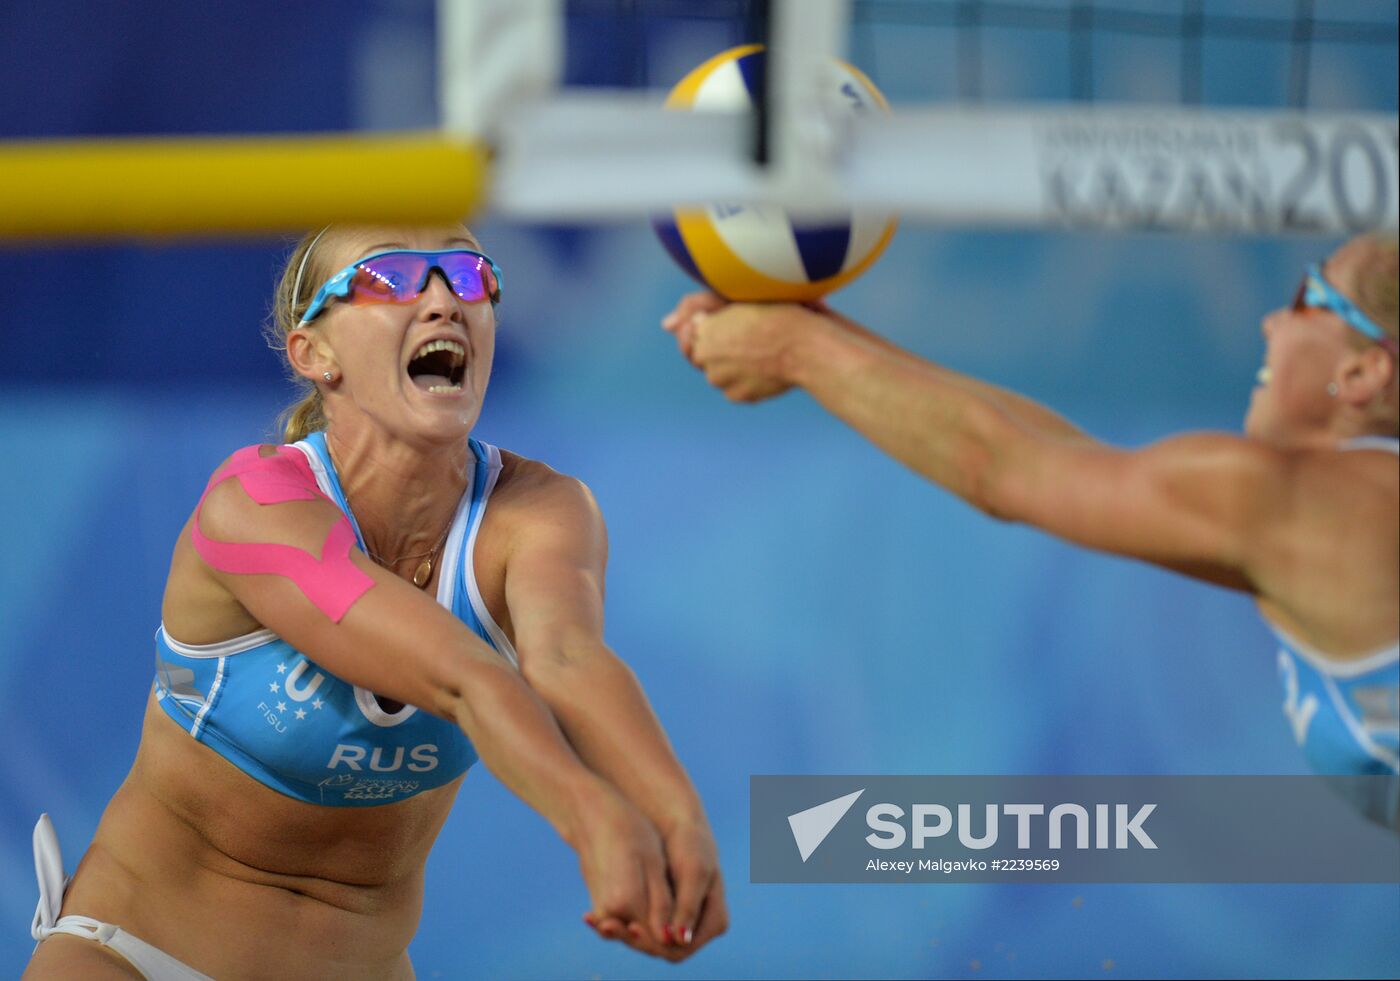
(388, 279)
(491, 282)
(471, 275)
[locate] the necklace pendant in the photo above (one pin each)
(423, 573)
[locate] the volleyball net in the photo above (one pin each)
(1105, 141)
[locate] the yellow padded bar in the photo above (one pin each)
(220, 186)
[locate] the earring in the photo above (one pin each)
(330, 377)
(1332, 389)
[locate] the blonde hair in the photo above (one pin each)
(1378, 283)
(301, 278)
(1374, 278)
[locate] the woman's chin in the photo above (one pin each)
(449, 421)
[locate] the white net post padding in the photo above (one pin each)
(609, 156)
(494, 55)
(806, 135)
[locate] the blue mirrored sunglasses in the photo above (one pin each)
(401, 275)
(1314, 292)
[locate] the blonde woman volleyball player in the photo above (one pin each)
(351, 619)
(1302, 511)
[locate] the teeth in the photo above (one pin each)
(1263, 375)
(459, 353)
(444, 389)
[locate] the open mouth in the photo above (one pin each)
(439, 367)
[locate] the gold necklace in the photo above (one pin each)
(424, 571)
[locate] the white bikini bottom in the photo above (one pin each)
(154, 963)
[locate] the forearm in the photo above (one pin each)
(1027, 412)
(518, 739)
(926, 417)
(603, 711)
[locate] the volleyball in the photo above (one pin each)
(746, 252)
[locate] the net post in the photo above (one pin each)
(492, 56)
(805, 135)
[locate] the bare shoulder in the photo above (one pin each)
(198, 606)
(534, 491)
(1279, 492)
(1330, 557)
(1376, 469)
(239, 505)
(1343, 489)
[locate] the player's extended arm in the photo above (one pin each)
(683, 322)
(1029, 413)
(554, 592)
(1205, 505)
(278, 546)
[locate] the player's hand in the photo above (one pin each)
(743, 348)
(624, 867)
(680, 322)
(700, 912)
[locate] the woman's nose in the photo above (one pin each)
(437, 296)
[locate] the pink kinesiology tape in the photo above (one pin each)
(332, 583)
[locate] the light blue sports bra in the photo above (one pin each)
(273, 713)
(1346, 714)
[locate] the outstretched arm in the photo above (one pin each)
(1027, 412)
(1203, 505)
(1036, 417)
(554, 592)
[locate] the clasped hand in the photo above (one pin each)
(659, 892)
(744, 349)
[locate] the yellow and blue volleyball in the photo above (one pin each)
(745, 252)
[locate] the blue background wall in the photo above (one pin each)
(793, 601)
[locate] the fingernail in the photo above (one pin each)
(666, 932)
(670, 320)
(687, 936)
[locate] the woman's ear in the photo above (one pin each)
(1365, 374)
(310, 355)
